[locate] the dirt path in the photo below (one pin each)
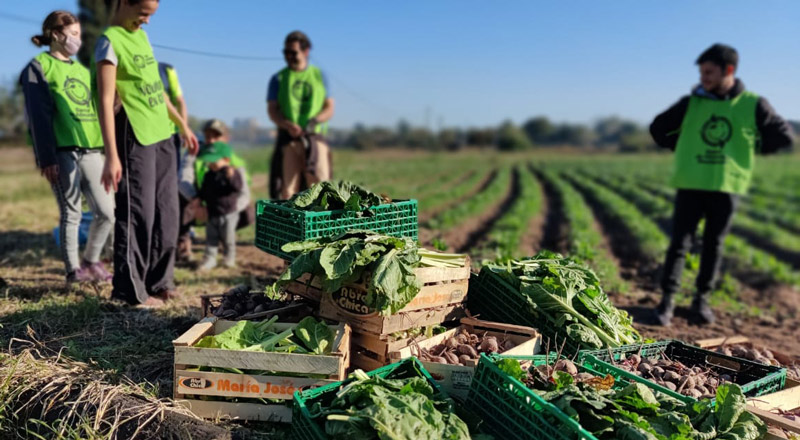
(556, 227)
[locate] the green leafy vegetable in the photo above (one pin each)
(392, 409)
(316, 336)
(568, 295)
(336, 195)
(309, 336)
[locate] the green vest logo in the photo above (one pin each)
(142, 61)
(717, 131)
(301, 90)
(76, 91)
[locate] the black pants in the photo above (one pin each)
(690, 206)
(146, 228)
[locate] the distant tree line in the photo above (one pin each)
(538, 132)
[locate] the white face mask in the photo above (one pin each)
(71, 44)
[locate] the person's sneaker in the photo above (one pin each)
(184, 254)
(230, 264)
(207, 264)
(80, 275)
(98, 270)
(665, 311)
(702, 310)
(151, 303)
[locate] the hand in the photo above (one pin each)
(229, 171)
(190, 140)
(294, 130)
(51, 174)
(112, 173)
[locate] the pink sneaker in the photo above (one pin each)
(98, 271)
(80, 275)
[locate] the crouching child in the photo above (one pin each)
(221, 186)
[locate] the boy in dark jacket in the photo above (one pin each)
(715, 133)
(220, 188)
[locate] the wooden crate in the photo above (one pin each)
(440, 299)
(454, 379)
(189, 385)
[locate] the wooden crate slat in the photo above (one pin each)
(197, 331)
(238, 411)
(243, 360)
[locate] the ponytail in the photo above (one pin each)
(54, 22)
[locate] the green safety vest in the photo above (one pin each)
(169, 78)
(201, 168)
(717, 143)
(75, 121)
(301, 95)
(139, 85)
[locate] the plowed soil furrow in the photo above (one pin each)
(555, 231)
(469, 233)
(433, 212)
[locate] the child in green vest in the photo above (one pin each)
(221, 186)
(715, 133)
(141, 165)
(67, 143)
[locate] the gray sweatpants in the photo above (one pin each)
(222, 228)
(79, 171)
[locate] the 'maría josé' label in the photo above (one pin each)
(283, 388)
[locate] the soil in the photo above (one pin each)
(468, 234)
(436, 210)
(555, 223)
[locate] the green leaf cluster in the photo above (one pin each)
(335, 195)
(348, 258)
(389, 409)
(309, 336)
(569, 296)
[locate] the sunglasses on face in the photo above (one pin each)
(290, 52)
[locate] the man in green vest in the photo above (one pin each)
(172, 87)
(300, 105)
(715, 133)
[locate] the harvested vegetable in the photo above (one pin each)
(696, 381)
(336, 195)
(464, 348)
(763, 356)
(309, 336)
(378, 408)
(241, 301)
(568, 295)
(634, 411)
(387, 263)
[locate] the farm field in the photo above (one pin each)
(611, 211)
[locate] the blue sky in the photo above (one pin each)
(471, 63)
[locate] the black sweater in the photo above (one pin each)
(220, 193)
(776, 133)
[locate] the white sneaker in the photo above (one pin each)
(208, 264)
(230, 264)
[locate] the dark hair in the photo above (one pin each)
(720, 54)
(299, 37)
(55, 21)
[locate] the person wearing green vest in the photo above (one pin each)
(300, 105)
(140, 166)
(222, 186)
(715, 133)
(67, 143)
(192, 175)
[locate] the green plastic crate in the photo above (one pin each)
(755, 379)
(277, 224)
(306, 428)
(494, 299)
(512, 410)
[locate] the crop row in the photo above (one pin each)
(585, 240)
(507, 234)
(475, 205)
